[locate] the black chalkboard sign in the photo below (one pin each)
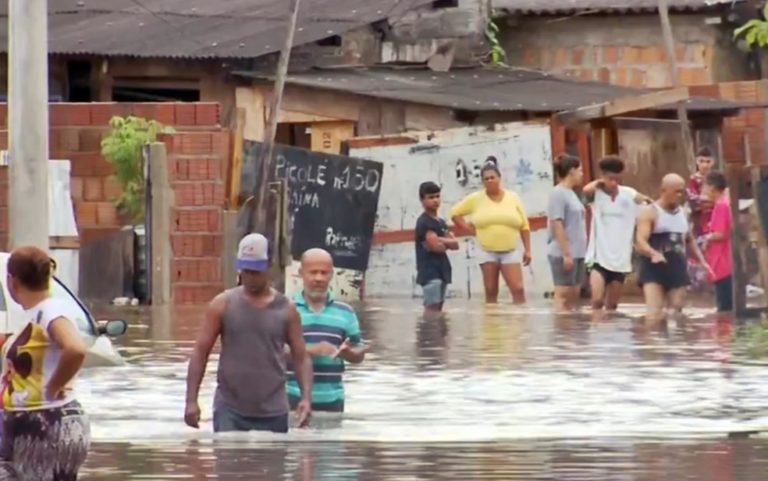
(333, 200)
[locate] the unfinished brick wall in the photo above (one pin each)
(198, 155)
(197, 162)
(750, 122)
(624, 49)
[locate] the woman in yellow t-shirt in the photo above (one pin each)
(499, 222)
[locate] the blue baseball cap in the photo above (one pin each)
(253, 253)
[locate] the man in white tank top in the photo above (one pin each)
(611, 235)
(663, 235)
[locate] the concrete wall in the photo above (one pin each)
(624, 49)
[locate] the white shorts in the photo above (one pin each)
(503, 258)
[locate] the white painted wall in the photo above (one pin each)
(453, 159)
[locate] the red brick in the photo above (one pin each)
(610, 55)
(650, 55)
(4, 140)
(195, 293)
(4, 173)
(198, 220)
(76, 187)
(85, 212)
(90, 139)
(207, 113)
(604, 75)
(69, 139)
(106, 214)
(93, 233)
(166, 113)
(195, 143)
(220, 142)
(693, 76)
(562, 57)
(205, 269)
(620, 77)
(637, 78)
(112, 188)
(4, 195)
(90, 164)
(93, 189)
(102, 113)
(197, 245)
(185, 114)
(531, 57)
(4, 220)
(577, 56)
(630, 55)
(198, 194)
(587, 74)
(70, 114)
(3, 115)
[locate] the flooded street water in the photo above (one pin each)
(490, 393)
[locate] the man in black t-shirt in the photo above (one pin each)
(432, 241)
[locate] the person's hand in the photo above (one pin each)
(303, 412)
(322, 349)
(344, 348)
(710, 272)
(192, 415)
(567, 263)
(527, 258)
(53, 394)
(658, 258)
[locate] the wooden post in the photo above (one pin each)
(682, 113)
(231, 239)
(236, 167)
(161, 205)
(756, 178)
(733, 173)
(264, 162)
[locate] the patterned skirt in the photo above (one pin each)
(44, 445)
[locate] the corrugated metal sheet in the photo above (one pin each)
(478, 89)
(200, 28)
(567, 6)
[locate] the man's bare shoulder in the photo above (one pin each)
(647, 212)
(219, 303)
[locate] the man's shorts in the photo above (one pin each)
(434, 292)
(561, 277)
(502, 258)
(608, 276)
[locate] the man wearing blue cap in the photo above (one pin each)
(255, 323)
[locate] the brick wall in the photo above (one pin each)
(625, 50)
(197, 169)
(198, 155)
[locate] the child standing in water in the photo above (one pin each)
(717, 241)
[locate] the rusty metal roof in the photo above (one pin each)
(599, 6)
(480, 89)
(199, 28)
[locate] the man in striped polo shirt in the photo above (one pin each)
(331, 333)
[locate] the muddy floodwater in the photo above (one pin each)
(497, 393)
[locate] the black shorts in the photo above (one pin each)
(608, 276)
(670, 275)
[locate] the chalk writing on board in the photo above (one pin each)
(340, 242)
(304, 199)
(310, 174)
(357, 178)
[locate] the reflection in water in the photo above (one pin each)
(482, 393)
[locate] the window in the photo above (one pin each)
(333, 41)
(445, 3)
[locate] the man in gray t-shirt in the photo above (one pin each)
(567, 242)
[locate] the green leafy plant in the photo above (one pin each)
(752, 339)
(755, 31)
(123, 149)
(496, 55)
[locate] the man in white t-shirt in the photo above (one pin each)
(611, 233)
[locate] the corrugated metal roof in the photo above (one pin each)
(567, 6)
(200, 28)
(478, 89)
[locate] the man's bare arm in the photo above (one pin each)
(302, 362)
(206, 339)
(694, 246)
(645, 221)
(589, 190)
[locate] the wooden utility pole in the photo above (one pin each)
(28, 122)
(682, 113)
(258, 219)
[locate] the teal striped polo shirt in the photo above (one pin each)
(335, 323)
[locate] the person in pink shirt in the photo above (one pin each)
(717, 241)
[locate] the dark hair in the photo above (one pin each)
(565, 163)
(704, 152)
(428, 188)
(717, 180)
(611, 164)
(490, 166)
(32, 267)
